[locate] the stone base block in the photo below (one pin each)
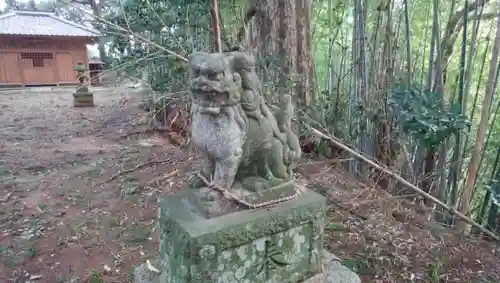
(142, 273)
(83, 100)
(283, 243)
(333, 272)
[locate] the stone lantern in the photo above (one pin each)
(82, 97)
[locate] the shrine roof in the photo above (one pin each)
(35, 23)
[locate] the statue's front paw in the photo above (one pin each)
(208, 194)
(195, 182)
(255, 184)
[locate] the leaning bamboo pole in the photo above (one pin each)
(404, 182)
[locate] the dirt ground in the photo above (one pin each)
(78, 192)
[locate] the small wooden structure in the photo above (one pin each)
(40, 48)
(95, 70)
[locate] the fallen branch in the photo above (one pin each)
(151, 267)
(90, 120)
(6, 197)
(223, 191)
(123, 102)
(351, 210)
(131, 170)
(139, 132)
(162, 177)
(406, 183)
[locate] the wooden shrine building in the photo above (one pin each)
(40, 48)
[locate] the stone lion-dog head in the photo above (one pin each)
(215, 80)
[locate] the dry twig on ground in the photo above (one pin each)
(6, 197)
(90, 120)
(162, 177)
(132, 170)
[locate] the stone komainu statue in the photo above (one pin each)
(239, 137)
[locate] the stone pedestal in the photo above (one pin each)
(333, 272)
(279, 244)
(83, 99)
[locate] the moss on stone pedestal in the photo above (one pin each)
(279, 244)
(82, 98)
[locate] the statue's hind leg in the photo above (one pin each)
(263, 160)
(275, 161)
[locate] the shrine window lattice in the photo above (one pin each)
(36, 59)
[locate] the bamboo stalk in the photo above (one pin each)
(464, 206)
(406, 183)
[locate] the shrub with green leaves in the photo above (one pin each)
(421, 114)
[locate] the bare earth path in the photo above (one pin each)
(56, 220)
(66, 215)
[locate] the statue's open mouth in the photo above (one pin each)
(209, 110)
(211, 99)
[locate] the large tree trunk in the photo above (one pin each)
(280, 37)
(97, 10)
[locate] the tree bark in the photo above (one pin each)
(280, 37)
(97, 11)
